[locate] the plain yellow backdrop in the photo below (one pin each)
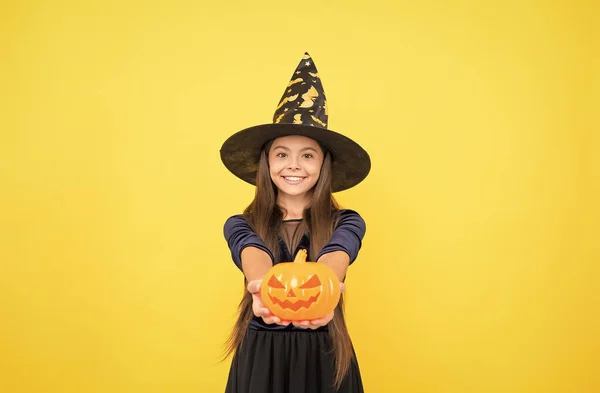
(479, 271)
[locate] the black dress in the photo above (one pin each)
(288, 359)
(288, 362)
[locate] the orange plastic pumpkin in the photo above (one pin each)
(300, 290)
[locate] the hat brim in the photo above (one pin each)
(240, 153)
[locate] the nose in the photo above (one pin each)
(293, 165)
(291, 293)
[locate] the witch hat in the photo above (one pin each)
(302, 110)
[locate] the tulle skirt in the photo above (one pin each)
(288, 362)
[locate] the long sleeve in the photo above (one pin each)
(347, 235)
(240, 235)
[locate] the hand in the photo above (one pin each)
(317, 323)
(258, 307)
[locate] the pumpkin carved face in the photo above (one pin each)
(300, 290)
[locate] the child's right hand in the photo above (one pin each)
(259, 308)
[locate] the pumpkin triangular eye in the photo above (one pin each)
(275, 283)
(312, 282)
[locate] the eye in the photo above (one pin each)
(308, 155)
(312, 282)
(275, 283)
(281, 155)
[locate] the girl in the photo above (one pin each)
(296, 164)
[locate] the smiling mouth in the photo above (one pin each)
(297, 305)
(293, 179)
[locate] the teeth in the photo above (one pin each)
(293, 178)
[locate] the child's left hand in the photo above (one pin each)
(317, 323)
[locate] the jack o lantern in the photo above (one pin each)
(300, 290)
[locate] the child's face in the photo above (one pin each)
(295, 163)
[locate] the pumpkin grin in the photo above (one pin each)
(297, 305)
(300, 290)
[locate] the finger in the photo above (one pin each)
(265, 312)
(254, 286)
(309, 325)
(257, 300)
(342, 287)
(300, 324)
(319, 322)
(262, 312)
(283, 322)
(272, 319)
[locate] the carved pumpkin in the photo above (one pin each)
(300, 290)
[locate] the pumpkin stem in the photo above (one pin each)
(300, 256)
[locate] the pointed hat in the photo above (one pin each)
(302, 110)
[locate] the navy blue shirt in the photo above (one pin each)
(347, 237)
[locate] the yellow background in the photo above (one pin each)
(479, 271)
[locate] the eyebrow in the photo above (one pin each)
(305, 148)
